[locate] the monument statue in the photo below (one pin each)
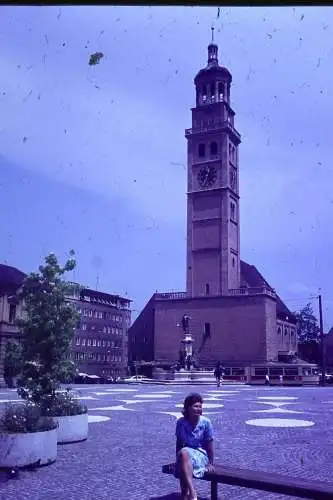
(186, 359)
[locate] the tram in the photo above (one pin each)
(278, 374)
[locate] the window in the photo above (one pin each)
(232, 211)
(279, 330)
(213, 148)
(108, 343)
(77, 341)
(100, 315)
(233, 262)
(12, 313)
(238, 371)
(90, 313)
(204, 93)
(88, 342)
(220, 90)
(83, 342)
(286, 331)
(201, 150)
(84, 326)
(207, 329)
(94, 342)
(207, 288)
(104, 343)
(99, 343)
(291, 371)
(260, 371)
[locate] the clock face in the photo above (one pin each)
(207, 176)
(232, 178)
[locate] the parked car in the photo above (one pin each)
(136, 379)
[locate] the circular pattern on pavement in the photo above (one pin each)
(208, 405)
(152, 396)
(279, 398)
(279, 422)
(97, 418)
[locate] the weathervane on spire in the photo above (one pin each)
(212, 28)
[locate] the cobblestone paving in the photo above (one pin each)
(122, 457)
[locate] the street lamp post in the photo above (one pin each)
(322, 343)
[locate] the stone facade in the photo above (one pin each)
(10, 308)
(236, 316)
(100, 340)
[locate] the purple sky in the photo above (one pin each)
(93, 157)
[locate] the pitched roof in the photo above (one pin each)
(11, 278)
(250, 276)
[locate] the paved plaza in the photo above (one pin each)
(131, 434)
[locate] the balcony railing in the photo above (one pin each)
(171, 295)
(262, 290)
(212, 128)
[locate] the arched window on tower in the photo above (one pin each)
(233, 212)
(213, 148)
(201, 150)
(204, 93)
(212, 91)
(220, 91)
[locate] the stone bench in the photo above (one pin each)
(264, 481)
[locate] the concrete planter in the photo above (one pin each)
(72, 429)
(20, 450)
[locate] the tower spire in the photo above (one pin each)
(212, 50)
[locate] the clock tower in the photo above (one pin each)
(213, 246)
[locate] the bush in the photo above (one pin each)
(65, 404)
(23, 418)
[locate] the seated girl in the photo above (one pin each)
(194, 446)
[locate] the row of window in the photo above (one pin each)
(286, 331)
(212, 89)
(93, 313)
(111, 330)
(213, 148)
(96, 356)
(97, 343)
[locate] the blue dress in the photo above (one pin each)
(193, 441)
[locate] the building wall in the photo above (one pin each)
(141, 335)
(8, 331)
(100, 343)
(239, 328)
(286, 336)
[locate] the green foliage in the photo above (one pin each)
(48, 325)
(24, 417)
(67, 372)
(66, 403)
(307, 325)
(13, 359)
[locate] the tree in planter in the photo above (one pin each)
(13, 361)
(47, 326)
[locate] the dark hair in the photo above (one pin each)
(190, 400)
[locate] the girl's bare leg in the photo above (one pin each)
(186, 474)
(183, 490)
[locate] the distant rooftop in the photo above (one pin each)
(10, 277)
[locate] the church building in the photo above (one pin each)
(236, 317)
